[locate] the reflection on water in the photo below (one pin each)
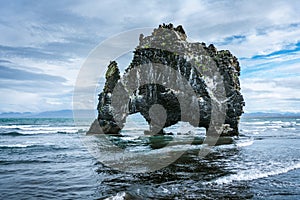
(147, 153)
(189, 176)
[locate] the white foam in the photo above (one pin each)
(15, 145)
(288, 125)
(41, 129)
(256, 132)
(274, 126)
(15, 126)
(118, 196)
(257, 123)
(277, 122)
(245, 143)
(252, 174)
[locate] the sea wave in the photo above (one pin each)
(28, 133)
(44, 146)
(257, 123)
(248, 175)
(33, 129)
(13, 133)
(6, 146)
(289, 125)
(244, 143)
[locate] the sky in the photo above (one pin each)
(43, 45)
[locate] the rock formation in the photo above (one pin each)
(171, 80)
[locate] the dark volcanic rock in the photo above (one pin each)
(171, 80)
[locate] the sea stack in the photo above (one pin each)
(169, 80)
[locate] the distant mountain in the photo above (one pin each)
(48, 114)
(15, 114)
(54, 114)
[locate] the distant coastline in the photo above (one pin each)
(45, 114)
(69, 114)
(270, 115)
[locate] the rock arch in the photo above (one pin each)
(192, 62)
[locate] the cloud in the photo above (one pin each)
(18, 74)
(19, 101)
(43, 44)
(273, 94)
(23, 90)
(12, 100)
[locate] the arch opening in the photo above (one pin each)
(135, 124)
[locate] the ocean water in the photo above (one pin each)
(52, 158)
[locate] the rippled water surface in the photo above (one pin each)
(52, 158)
